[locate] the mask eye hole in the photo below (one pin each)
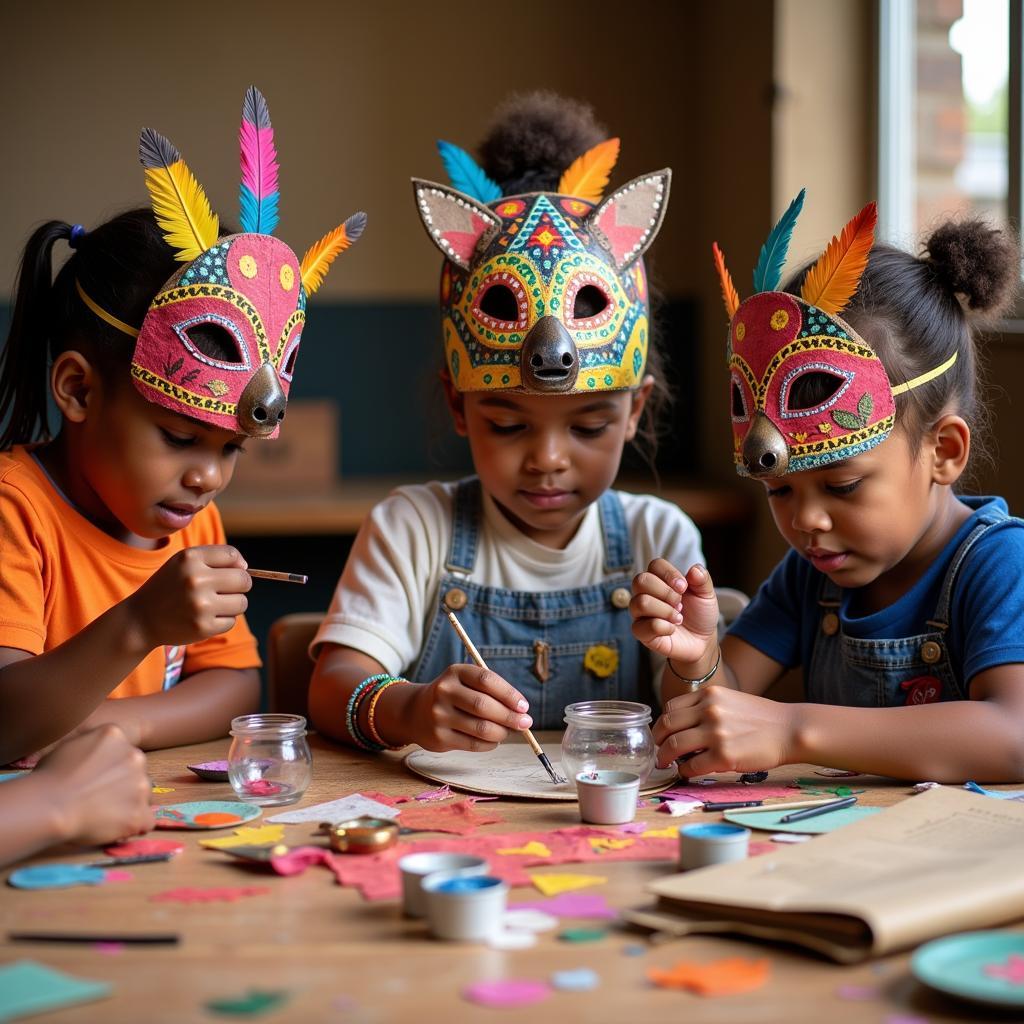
(215, 342)
(739, 410)
(289, 366)
(499, 302)
(813, 389)
(590, 301)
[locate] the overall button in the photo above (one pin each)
(931, 652)
(456, 599)
(621, 597)
(830, 624)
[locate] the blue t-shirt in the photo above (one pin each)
(986, 617)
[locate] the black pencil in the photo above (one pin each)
(813, 812)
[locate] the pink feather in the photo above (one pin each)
(259, 165)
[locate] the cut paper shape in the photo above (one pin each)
(529, 920)
(108, 948)
(608, 843)
(511, 769)
(144, 847)
(1012, 971)
(251, 1004)
(583, 905)
(344, 808)
(718, 978)
(633, 827)
(224, 894)
(836, 773)
(204, 814)
(117, 876)
(669, 832)
(160, 790)
(857, 993)
(512, 938)
(583, 934)
(677, 808)
(56, 876)
(28, 987)
(295, 861)
(460, 817)
(552, 885)
(818, 825)
(260, 835)
(444, 793)
(694, 790)
(790, 837)
(7, 776)
(921, 787)
(506, 993)
(531, 849)
(583, 979)
(999, 794)
(212, 771)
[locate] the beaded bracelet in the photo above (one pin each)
(371, 728)
(352, 711)
(697, 683)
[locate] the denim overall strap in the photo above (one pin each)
(467, 514)
(618, 552)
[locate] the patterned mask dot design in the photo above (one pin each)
(287, 277)
(247, 266)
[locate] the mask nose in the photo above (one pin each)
(765, 452)
(549, 361)
(261, 407)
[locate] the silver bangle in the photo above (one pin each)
(696, 683)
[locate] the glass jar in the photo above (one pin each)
(269, 761)
(608, 735)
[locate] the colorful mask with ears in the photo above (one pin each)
(545, 292)
(776, 338)
(248, 291)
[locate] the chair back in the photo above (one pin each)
(289, 666)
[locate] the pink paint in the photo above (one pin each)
(144, 847)
(509, 992)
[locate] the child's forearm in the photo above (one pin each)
(31, 819)
(199, 708)
(947, 742)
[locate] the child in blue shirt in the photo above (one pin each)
(901, 600)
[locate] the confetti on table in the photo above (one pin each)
(789, 837)
(56, 876)
(257, 835)
(696, 791)
(633, 827)
(512, 938)
(552, 885)
(836, 773)
(923, 787)
(460, 818)
(109, 948)
(582, 934)
(669, 832)
(144, 847)
(573, 904)
(251, 1004)
(506, 993)
(28, 987)
(428, 795)
(999, 794)
(117, 875)
(529, 920)
(607, 843)
(1012, 970)
(582, 979)
(857, 993)
(224, 894)
(677, 808)
(717, 978)
(353, 806)
(162, 789)
(531, 849)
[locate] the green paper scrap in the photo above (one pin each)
(28, 987)
(814, 787)
(582, 934)
(771, 821)
(253, 1004)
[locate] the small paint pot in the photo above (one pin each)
(718, 843)
(361, 835)
(464, 908)
(417, 866)
(607, 798)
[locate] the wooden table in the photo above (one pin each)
(343, 959)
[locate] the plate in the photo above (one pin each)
(771, 821)
(986, 967)
(511, 769)
(212, 771)
(205, 814)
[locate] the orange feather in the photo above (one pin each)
(320, 255)
(730, 296)
(588, 174)
(832, 281)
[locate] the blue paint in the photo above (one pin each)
(716, 831)
(472, 884)
(56, 876)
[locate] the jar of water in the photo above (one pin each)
(269, 761)
(608, 735)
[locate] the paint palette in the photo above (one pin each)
(206, 814)
(987, 967)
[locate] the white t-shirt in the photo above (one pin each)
(387, 596)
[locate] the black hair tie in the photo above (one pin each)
(77, 234)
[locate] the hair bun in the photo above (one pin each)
(534, 137)
(977, 261)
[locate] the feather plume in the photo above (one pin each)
(729, 294)
(768, 272)
(466, 174)
(587, 175)
(258, 194)
(179, 202)
(832, 281)
(319, 256)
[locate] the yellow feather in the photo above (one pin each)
(182, 210)
(319, 256)
(587, 175)
(832, 281)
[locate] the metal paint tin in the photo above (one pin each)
(607, 798)
(464, 908)
(417, 866)
(716, 843)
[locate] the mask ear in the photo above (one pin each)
(455, 223)
(629, 219)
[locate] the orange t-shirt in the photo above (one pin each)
(59, 572)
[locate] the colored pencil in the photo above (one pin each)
(813, 812)
(731, 805)
(136, 938)
(787, 806)
(530, 738)
(285, 577)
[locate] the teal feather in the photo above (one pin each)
(466, 174)
(768, 272)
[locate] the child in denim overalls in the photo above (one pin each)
(548, 373)
(902, 600)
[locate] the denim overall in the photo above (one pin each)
(539, 641)
(855, 672)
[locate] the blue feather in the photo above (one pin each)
(259, 217)
(466, 174)
(768, 272)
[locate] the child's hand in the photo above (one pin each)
(195, 594)
(675, 615)
(734, 731)
(467, 708)
(97, 784)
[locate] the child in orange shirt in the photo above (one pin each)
(117, 582)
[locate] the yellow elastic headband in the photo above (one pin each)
(120, 325)
(916, 382)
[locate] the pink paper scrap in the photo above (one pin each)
(723, 793)
(506, 993)
(584, 905)
(224, 894)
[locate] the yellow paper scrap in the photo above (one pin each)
(162, 789)
(552, 885)
(671, 832)
(532, 849)
(259, 835)
(606, 843)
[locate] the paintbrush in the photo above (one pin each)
(270, 574)
(530, 738)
